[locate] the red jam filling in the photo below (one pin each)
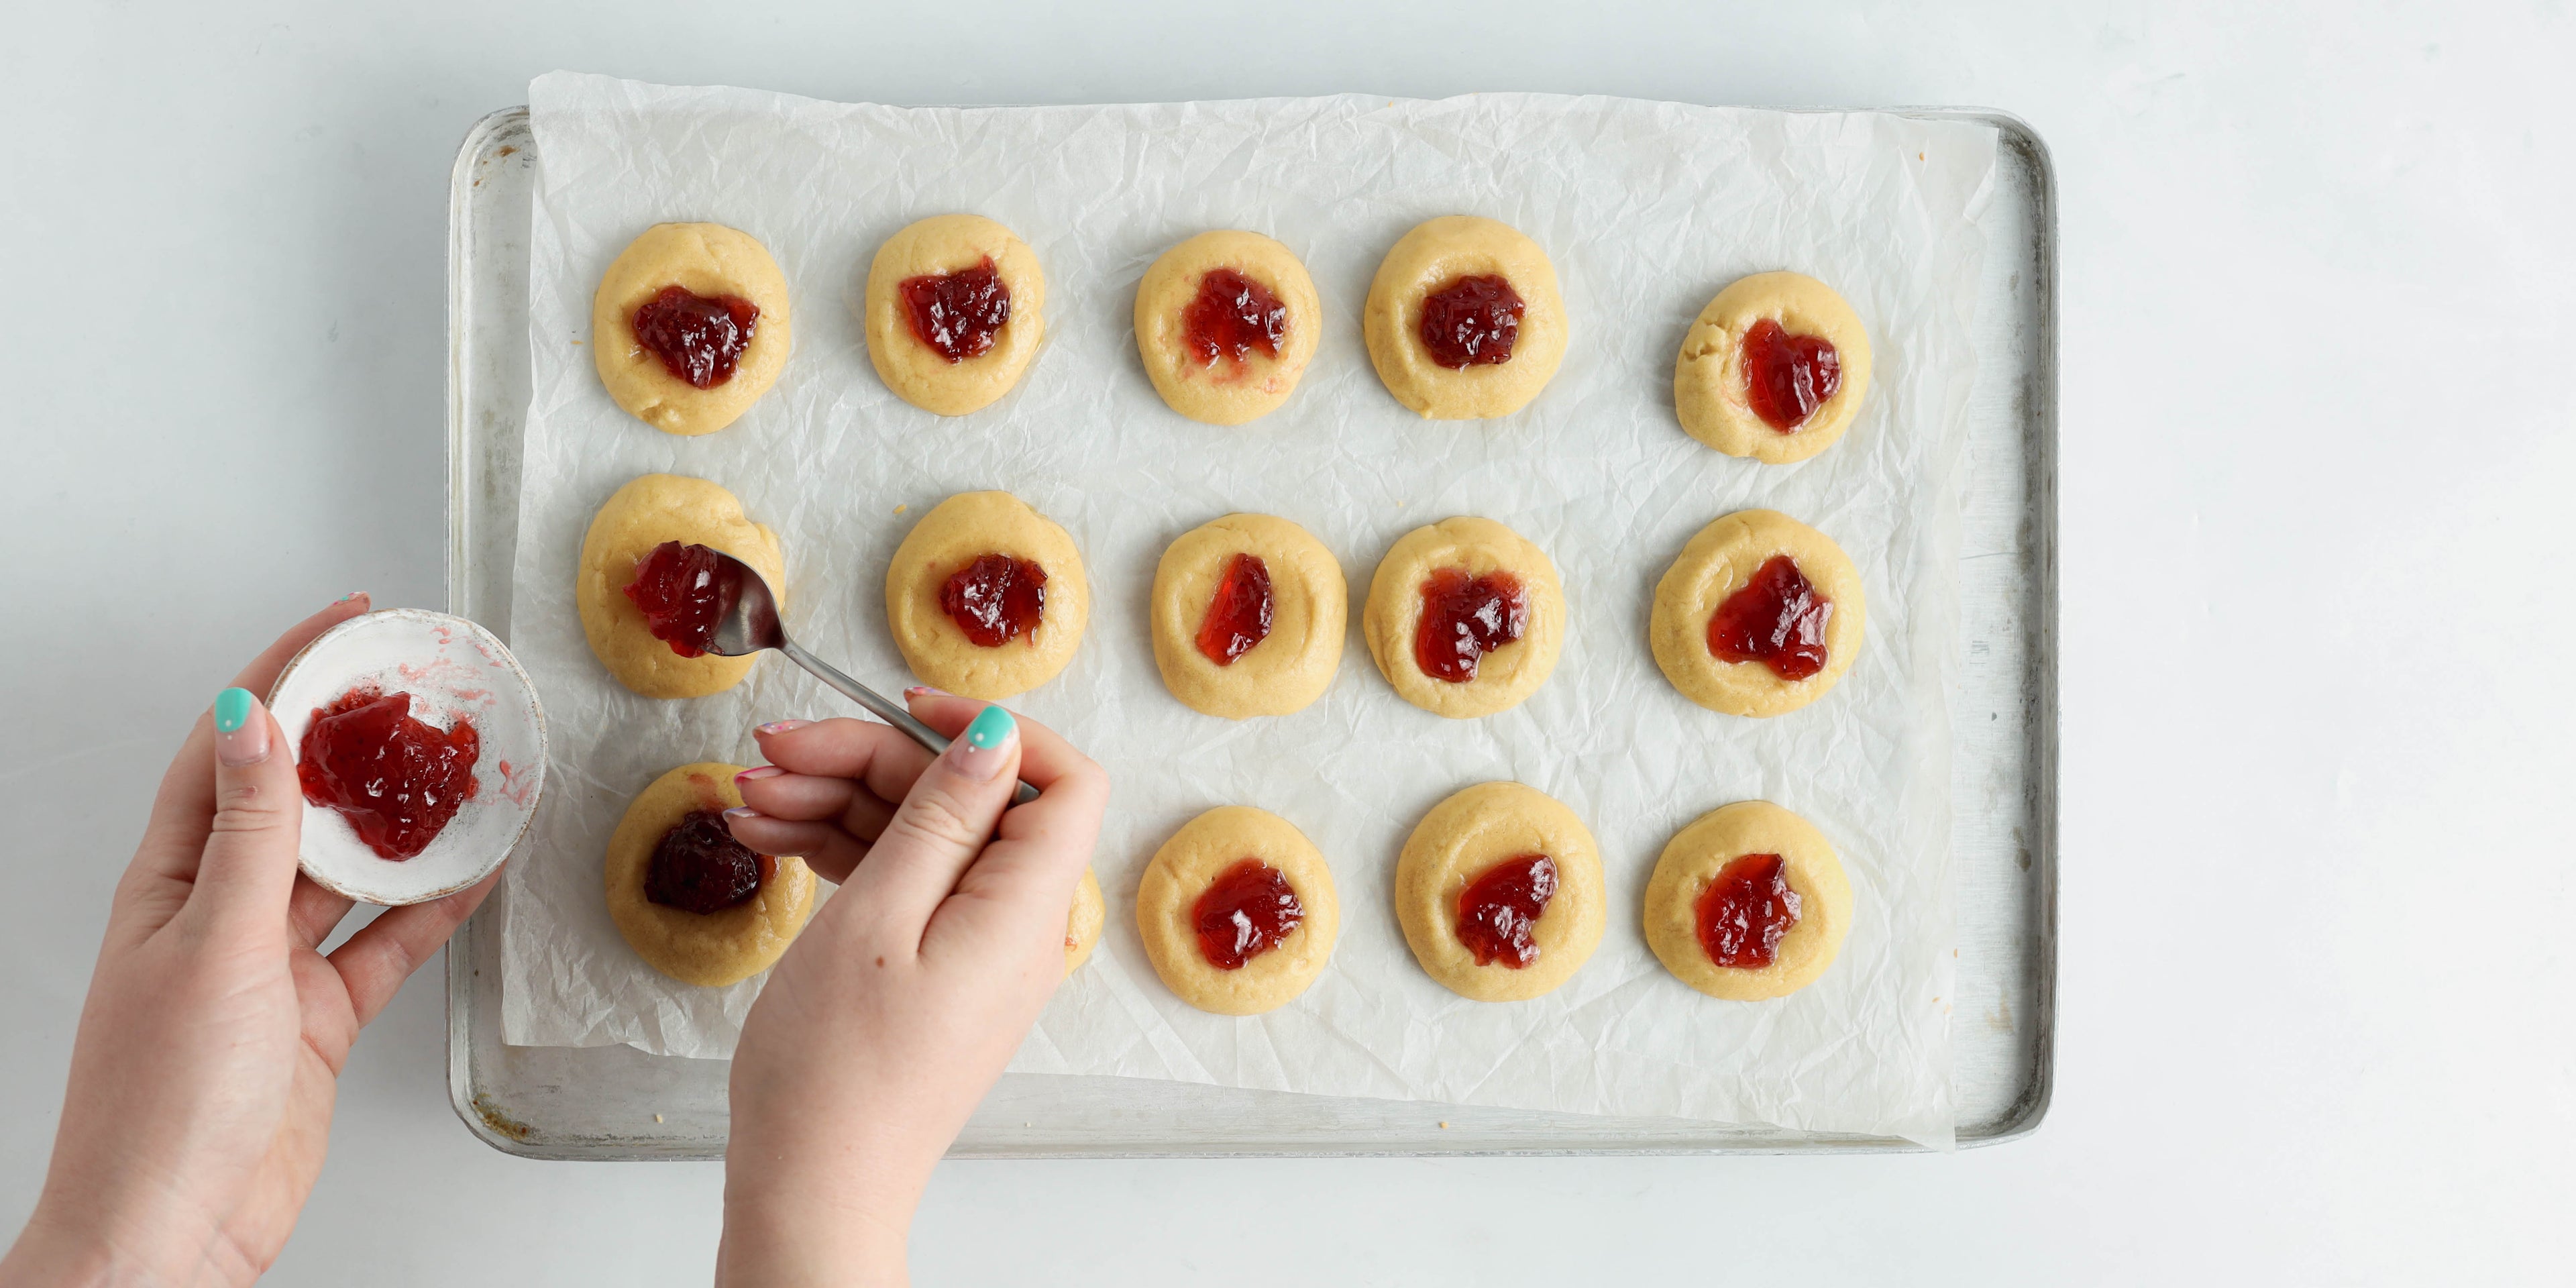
(1498, 911)
(1239, 616)
(1777, 619)
(1246, 911)
(1232, 316)
(698, 866)
(683, 592)
(1787, 377)
(1472, 321)
(957, 314)
(1464, 618)
(1745, 911)
(699, 338)
(397, 778)
(995, 599)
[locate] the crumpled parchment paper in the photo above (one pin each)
(1647, 209)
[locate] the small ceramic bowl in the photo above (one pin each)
(452, 668)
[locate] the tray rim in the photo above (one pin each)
(2022, 1119)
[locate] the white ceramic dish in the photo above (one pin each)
(452, 668)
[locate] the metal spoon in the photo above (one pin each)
(749, 623)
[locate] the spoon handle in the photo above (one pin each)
(891, 712)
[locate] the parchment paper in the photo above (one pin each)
(1647, 209)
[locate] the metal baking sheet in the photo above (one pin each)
(616, 1102)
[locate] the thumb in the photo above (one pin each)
(942, 824)
(249, 867)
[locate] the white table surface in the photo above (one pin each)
(2318, 1017)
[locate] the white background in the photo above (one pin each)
(2318, 1016)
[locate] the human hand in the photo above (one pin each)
(209, 1050)
(894, 1012)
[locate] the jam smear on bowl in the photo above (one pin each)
(1238, 617)
(1472, 321)
(683, 591)
(1464, 618)
(957, 314)
(1245, 912)
(1776, 619)
(397, 778)
(1787, 377)
(1232, 316)
(1499, 910)
(698, 867)
(1744, 912)
(699, 338)
(995, 599)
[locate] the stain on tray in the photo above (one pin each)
(500, 1122)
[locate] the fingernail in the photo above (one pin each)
(355, 594)
(758, 772)
(738, 813)
(980, 751)
(925, 691)
(239, 739)
(783, 726)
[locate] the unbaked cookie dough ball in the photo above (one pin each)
(1464, 319)
(1225, 323)
(689, 327)
(1775, 368)
(643, 515)
(1083, 921)
(1499, 891)
(955, 309)
(1249, 613)
(1464, 617)
(986, 596)
(696, 904)
(1237, 911)
(1760, 615)
(1748, 902)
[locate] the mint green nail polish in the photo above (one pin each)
(991, 726)
(232, 710)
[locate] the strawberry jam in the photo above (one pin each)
(1472, 321)
(398, 779)
(957, 314)
(1246, 911)
(1239, 616)
(1232, 316)
(1746, 910)
(698, 867)
(699, 338)
(1498, 911)
(1776, 619)
(995, 599)
(1464, 618)
(1787, 377)
(684, 591)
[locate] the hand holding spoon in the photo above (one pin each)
(748, 622)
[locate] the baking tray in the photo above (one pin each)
(615, 1102)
